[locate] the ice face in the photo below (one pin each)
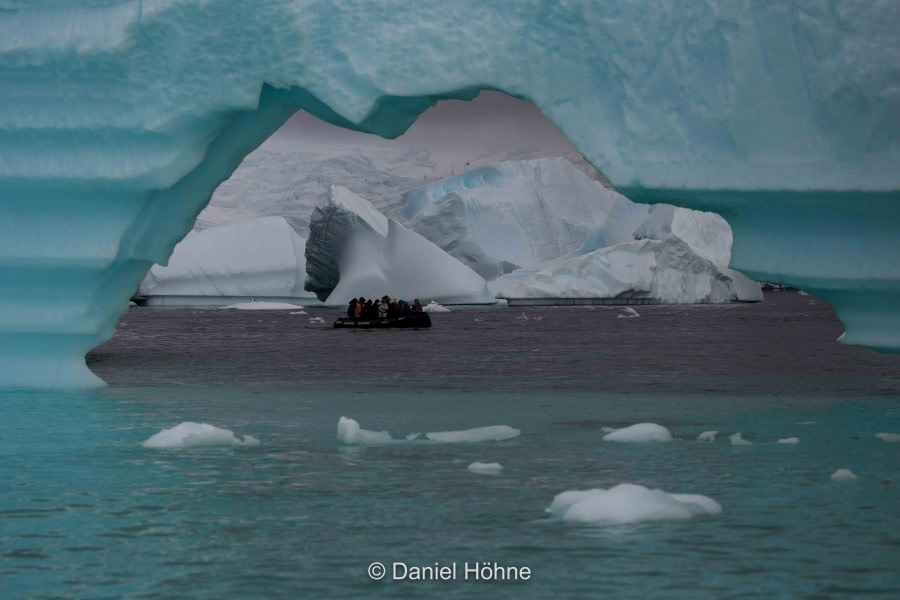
(353, 250)
(118, 121)
(261, 257)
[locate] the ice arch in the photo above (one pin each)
(118, 119)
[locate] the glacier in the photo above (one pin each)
(119, 119)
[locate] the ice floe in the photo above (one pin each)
(485, 468)
(629, 503)
(888, 437)
(843, 475)
(627, 313)
(349, 432)
(707, 436)
(191, 435)
(491, 433)
(435, 307)
(640, 433)
(263, 306)
(737, 440)
(790, 440)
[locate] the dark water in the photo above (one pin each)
(86, 511)
(785, 345)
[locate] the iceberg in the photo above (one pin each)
(262, 258)
(353, 250)
(480, 468)
(529, 222)
(193, 435)
(629, 503)
(639, 433)
(120, 119)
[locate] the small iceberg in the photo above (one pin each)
(627, 313)
(491, 433)
(640, 433)
(790, 440)
(629, 503)
(707, 436)
(263, 306)
(193, 435)
(485, 468)
(843, 475)
(350, 433)
(888, 437)
(435, 307)
(737, 440)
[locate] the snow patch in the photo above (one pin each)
(629, 503)
(640, 433)
(192, 435)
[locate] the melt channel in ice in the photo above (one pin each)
(629, 503)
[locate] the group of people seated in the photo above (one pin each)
(387, 307)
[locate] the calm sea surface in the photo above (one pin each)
(87, 512)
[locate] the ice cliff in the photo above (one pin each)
(261, 257)
(119, 119)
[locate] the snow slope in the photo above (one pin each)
(119, 119)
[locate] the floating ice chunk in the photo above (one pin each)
(629, 503)
(802, 293)
(843, 475)
(642, 432)
(190, 435)
(350, 433)
(737, 440)
(888, 437)
(435, 307)
(491, 433)
(522, 317)
(627, 313)
(485, 468)
(707, 436)
(790, 440)
(264, 306)
(316, 319)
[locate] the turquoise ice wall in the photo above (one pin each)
(119, 119)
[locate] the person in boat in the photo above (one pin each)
(383, 308)
(360, 303)
(417, 306)
(404, 307)
(369, 310)
(351, 309)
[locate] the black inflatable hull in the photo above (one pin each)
(413, 320)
